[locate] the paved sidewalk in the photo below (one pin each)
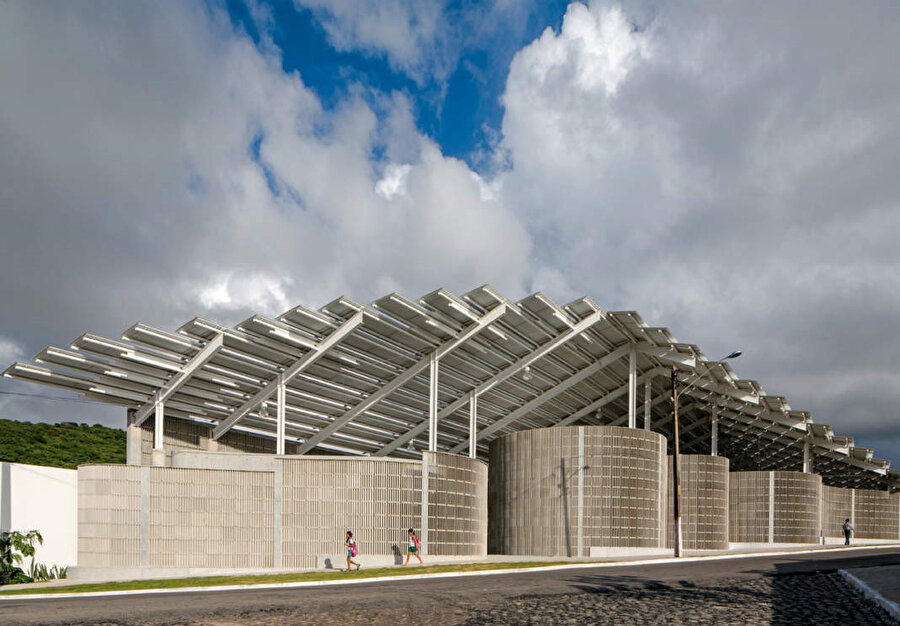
(782, 549)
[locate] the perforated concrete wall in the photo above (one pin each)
(774, 507)
(457, 505)
(210, 518)
(876, 514)
(282, 514)
(837, 506)
(562, 491)
(377, 499)
(704, 502)
(109, 516)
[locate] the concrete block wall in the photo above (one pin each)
(282, 513)
(109, 516)
(774, 507)
(837, 505)
(876, 514)
(457, 505)
(179, 434)
(210, 518)
(376, 499)
(565, 491)
(704, 502)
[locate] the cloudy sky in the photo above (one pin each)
(729, 170)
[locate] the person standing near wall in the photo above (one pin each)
(414, 547)
(848, 530)
(352, 550)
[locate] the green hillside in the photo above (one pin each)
(60, 445)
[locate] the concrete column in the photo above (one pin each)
(424, 523)
(132, 440)
(771, 507)
(580, 550)
(714, 431)
(807, 458)
(632, 388)
(277, 513)
(145, 517)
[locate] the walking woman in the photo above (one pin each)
(352, 550)
(414, 547)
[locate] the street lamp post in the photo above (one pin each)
(676, 473)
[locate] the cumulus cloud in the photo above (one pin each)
(730, 182)
(405, 32)
(727, 171)
(160, 154)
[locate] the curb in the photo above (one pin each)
(378, 579)
(892, 608)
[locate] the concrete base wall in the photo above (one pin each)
(280, 513)
(704, 503)
(566, 491)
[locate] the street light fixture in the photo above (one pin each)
(676, 475)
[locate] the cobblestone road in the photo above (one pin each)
(785, 589)
(822, 599)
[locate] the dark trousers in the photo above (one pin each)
(846, 537)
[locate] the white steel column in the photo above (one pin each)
(647, 405)
(714, 431)
(280, 411)
(158, 425)
(632, 388)
(432, 402)
(807, 458)
(473, 423)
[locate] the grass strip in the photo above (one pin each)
(257, 579)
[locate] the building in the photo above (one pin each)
(382, 391)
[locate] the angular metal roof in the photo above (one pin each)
(356, 380)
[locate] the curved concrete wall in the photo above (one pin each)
(876, 514)
(704, 502)
(837, 505)
(281, 512)
(774, 507)
(537, 478)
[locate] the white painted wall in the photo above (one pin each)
(33, 497)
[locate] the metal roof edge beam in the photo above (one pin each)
(285, 377)
(485, 321)
(496, 379)
(547, 395)
(176, 382)
(668, 354)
